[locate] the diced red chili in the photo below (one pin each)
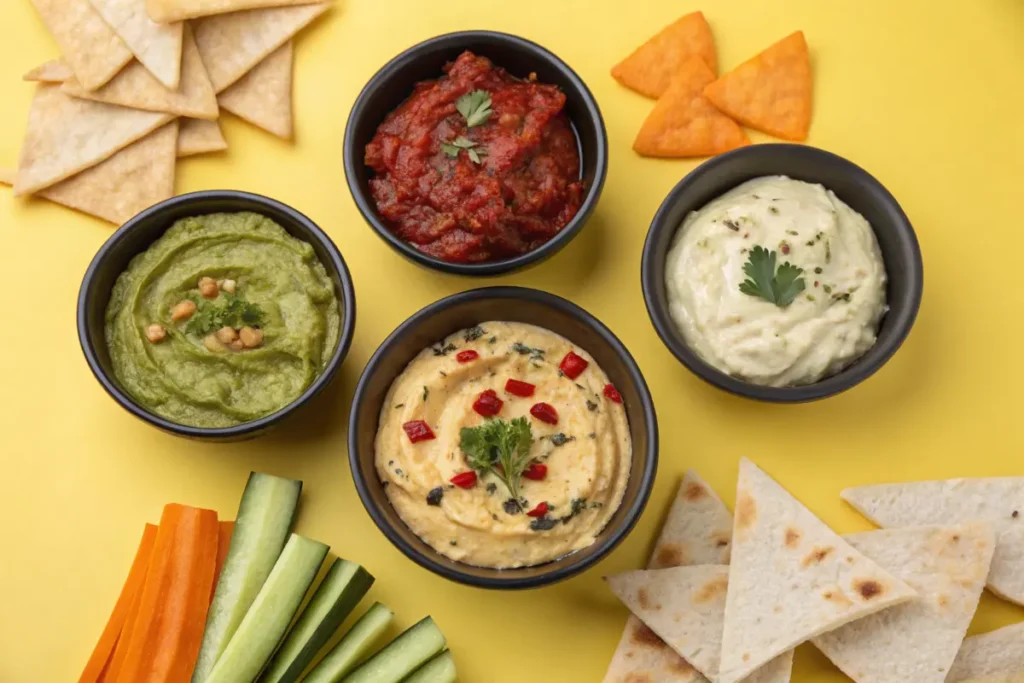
(536, 471)
(418, 430)
(488, 404)
(539, 511)
(545, 412)
(466, 356)
(612, 394)
(522, 389)
(464, 480)
(572, 366)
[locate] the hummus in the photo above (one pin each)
(829, 324)
(579, 466)
(196, 370)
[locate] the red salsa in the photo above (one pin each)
(478, 165)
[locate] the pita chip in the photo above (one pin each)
(994, 656)
(156, 46)
(232, 44)
(196, 136)
(999, 501)
(696, 531)
(53, 71)
(918, 640)
(770, 92)
(684, 124)
(651, 68)
(791, 578)
(137, 88)
(263, 96)
(177, 10)
(88, 45)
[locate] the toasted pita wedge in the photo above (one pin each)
(918, 640)
(67, 135)
(997, 656)
(88, 45)
(196, 136)
(771, 92)
(137, 88)
(999, 501)
(696, 531)
(263, 96)
(53, 71)
(232, 44)
(652, 67)
(998, 678)
(684, 124)
(176, 10)
(156, 46)
(791, 578)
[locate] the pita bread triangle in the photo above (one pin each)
(651, 68)
(177, 10)
(994, 654)
(918, 640)
(156, 46)
(263, 96)
(998, 500)
(791, 578)
(88, 45)
(196, 136)
(53, 71)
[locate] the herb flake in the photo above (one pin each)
(778, 286)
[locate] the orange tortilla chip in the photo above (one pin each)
(651, 68)
(771, 92)
(684, 124)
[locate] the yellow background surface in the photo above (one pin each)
(925, 94)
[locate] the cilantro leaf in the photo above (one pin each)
(499, 443)
(475, 107)
(779, 287)
(787, 284)
(452, 148)
(228, 310)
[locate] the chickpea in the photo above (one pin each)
(251, 337)
(208, 287)
(236, 345)
(213, 344)
(226, 335)
(156, 334)
(183, 310)
(228, 286)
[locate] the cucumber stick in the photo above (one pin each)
(261, 529)
(354, 647)
(341, 590)
(440, 669)
(402, 656)
(267, 620)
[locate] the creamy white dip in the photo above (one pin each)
(829, 325)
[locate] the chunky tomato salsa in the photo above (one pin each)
(478, 165)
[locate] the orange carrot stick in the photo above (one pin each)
(113, 670)
(224, 531)
(104, 650)
(166, 636)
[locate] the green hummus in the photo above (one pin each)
(179, 377)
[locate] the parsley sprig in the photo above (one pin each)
(453, 148)
(500, 447)
(475, 107)
(228, 310)
(780, 287)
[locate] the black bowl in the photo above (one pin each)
(393, 84)
(853, 185)
(464, 310)
(139, 233)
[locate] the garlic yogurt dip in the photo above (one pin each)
(795, 331)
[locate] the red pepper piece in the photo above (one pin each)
(545, 412)
(539, 511)
(488, 404)
(612, 394)
(418, 430)
(572, 366)
(522, 389)
(464, 480)
(536, 471)
(466, 356)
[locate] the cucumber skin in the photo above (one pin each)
(368, 630)
(440, 669)
(375, 669)
(355, 588)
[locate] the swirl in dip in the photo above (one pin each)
(829, 324)
(579, 465)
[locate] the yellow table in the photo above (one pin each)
(925, 94)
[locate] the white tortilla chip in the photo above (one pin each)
(67, 135)
(232, 44)
(989, 656)
(156, 46)
(88, 45)
(263, 96)
(999, 501)
(696, 531)
(918, 640)
(196, 136)
(791, 578)
(177, 10)
(135, 87)
(53, 71)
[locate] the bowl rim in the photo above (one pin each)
(829, 386)
(110, 384)
(443, 567)
(353, 158)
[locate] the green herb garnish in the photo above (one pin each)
(500, 447)
(475, 107)
(228, 310)
(779, 287)
(453, 148)
(473, 333)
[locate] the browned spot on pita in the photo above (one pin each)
(746, 656)
(643, 598)
(643, 635)
(792, 537)
(639, 678)
(680, 665)
(671, 555)
(849, 559)
(694, 492)
(712, 589)
(868, 588)
(943, 601)
(777, 609)
(746, 511)
(721, 540)
(816, 556)
(837, 597)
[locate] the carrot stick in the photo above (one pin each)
(224, 531)
(113, 670)
(104, 650)
(165, 639)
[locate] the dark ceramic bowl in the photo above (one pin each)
(394, 83)
(851, 184)
(139, 233)
(467, 309)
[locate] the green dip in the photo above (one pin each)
(179, 378)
